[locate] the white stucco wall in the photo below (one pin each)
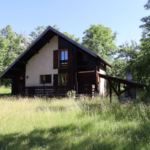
(102, 84)
(42, 64)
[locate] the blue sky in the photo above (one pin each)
(75, 16)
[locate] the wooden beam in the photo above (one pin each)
(121, 81)
(45, 40)
(22, 62)
(86, 71)
(114, 88)
(15, 69)
(9, 76)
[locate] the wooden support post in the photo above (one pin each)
(113, 87)
(110, 93)
(96, 83)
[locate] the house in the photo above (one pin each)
(54, 63)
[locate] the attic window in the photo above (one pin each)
(45, 79)
(64, 54)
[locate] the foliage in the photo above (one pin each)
(12, 45)
(72, 37)
(141, 64)
(134, 57)
(68, 124)
(146, 21)
(71, 94)
(40, 29)
(126, 59)
(100, 40)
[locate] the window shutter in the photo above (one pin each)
(55, 79)
(55, 59)
(70, 58)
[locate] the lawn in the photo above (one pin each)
(5, 90)
(67, 124)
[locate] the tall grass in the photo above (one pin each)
(30, 124)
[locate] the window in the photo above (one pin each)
(64, 79)
(45, 79)
(64, 54)
(63, 58)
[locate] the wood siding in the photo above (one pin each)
(70, 58)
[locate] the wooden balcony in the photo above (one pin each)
(63, 63)
(48, 90)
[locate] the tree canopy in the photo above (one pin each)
(101, 40)
(12, 45)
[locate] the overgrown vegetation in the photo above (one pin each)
(27, 123)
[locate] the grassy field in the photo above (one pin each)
(5, 90)
(67, 124)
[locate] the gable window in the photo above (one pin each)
(64, 79)
(63, 58)
(45, 79)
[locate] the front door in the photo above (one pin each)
(85, 78)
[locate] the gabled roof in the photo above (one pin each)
(40, 42)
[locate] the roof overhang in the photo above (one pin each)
(132, 83)
(19, 64)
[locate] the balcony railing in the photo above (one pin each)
(63, 63)
(48, 90)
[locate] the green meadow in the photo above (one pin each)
(5, 90)
(68, 124)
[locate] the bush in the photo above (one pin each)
(71, 94)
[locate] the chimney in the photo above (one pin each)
(129, 76)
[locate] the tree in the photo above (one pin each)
(126, 59)
(72, 37)
(142, 64)
(146, 21)
(100, 40)
(12, 45)
(40, 29)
